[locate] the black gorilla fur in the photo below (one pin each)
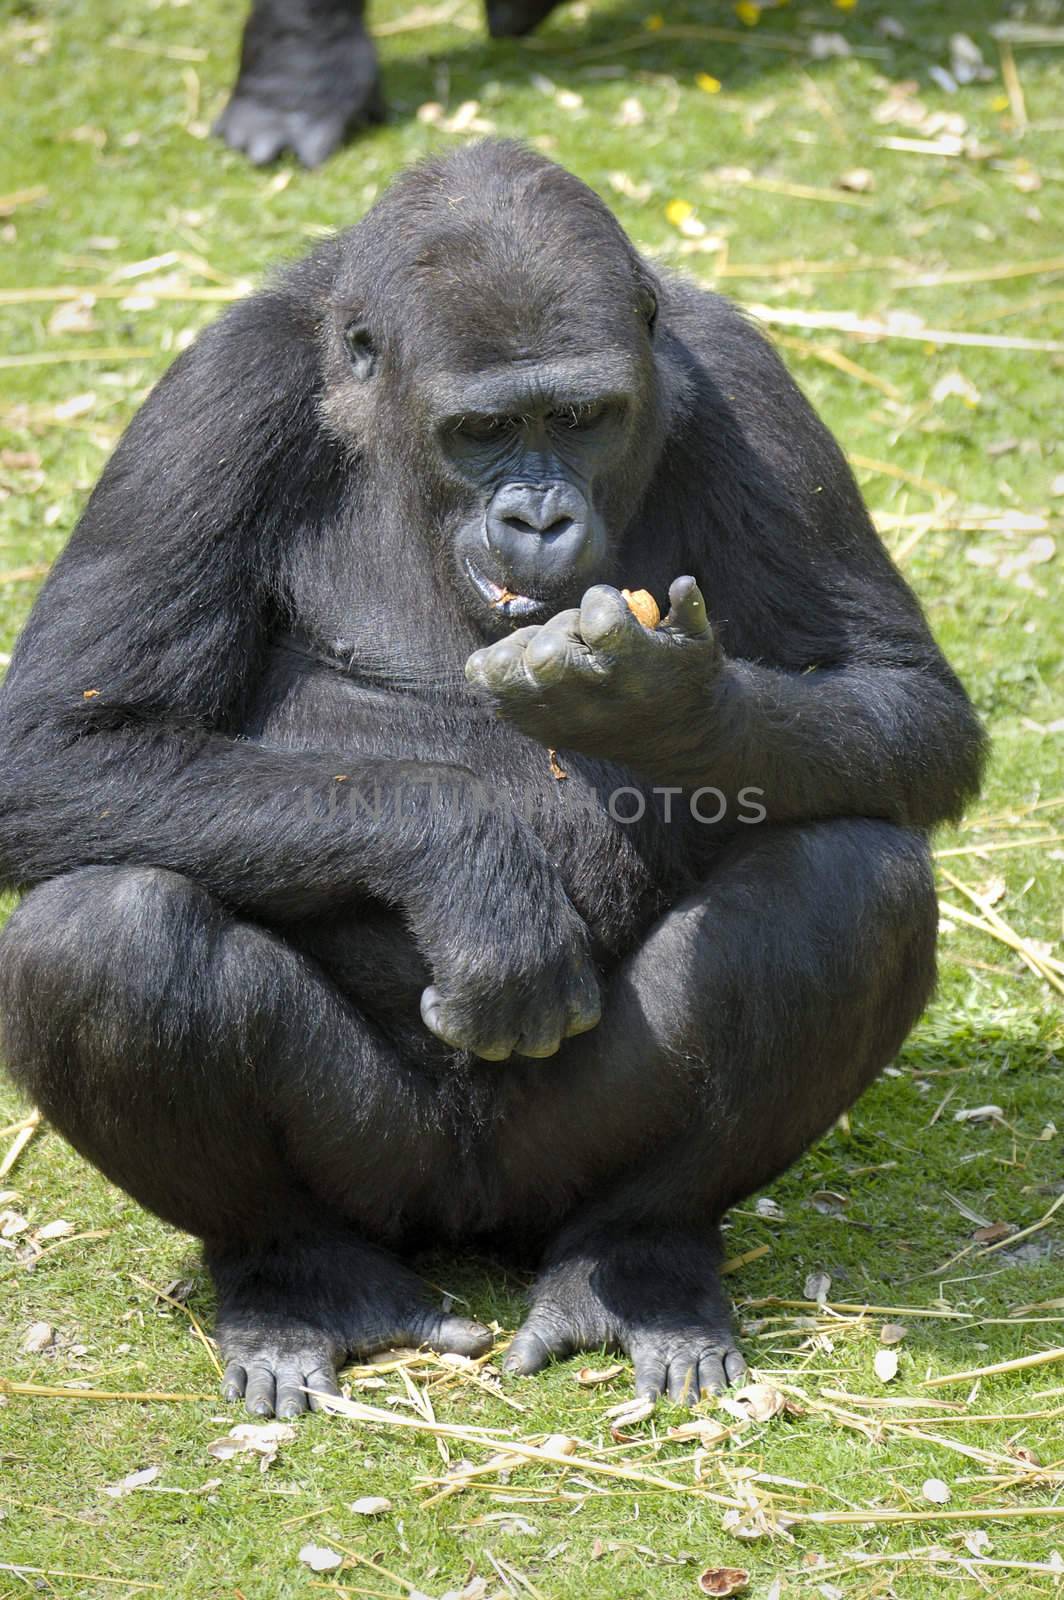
(261, 822)
(308, 74)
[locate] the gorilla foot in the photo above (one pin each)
(301, 89)
(509, 19)
(264, 131)
(288, 1318)
(659, 1303)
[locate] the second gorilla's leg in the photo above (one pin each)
(753, 1015)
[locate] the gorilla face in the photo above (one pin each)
(517, 402)
(536, 448)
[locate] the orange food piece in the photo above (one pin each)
(643, 606)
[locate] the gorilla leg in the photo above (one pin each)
(214, 1073)
(308, 77)
(755, 1012)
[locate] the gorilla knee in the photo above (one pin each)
(82, 960)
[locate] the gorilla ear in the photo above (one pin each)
(648, 305)
(361, 351)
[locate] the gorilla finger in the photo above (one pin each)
(711, 1375)
(533, 1347)
(538, 1043)
(291, 1400)
(605, 619)
(436, 1016)
(261, 1391)
(315, 139)
(734, 1366)
(503, 666)
(557, 654)
(650, 1375)
(483, 664)
(683, 1381)
(234, 1382)
(585, 1011)
(563, 622)
(321, 1381)
(687, 609)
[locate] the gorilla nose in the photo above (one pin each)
(537, 522)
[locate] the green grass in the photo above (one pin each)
(105, 130)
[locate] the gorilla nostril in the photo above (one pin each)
(526, 525)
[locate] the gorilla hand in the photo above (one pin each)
(595, 680)
(509, 977)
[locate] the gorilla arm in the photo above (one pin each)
(120, 716)
(857, 740)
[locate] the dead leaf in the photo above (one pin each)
(132, 1481)
(38, 1336)
(936, 1491)
(55, 1230)
(705, 1429)
(22, 460)
(830, 1203)
(759, 1402)
(370, 1505)
(817, 1287)
(859, 180)
(590, 1377)
(320, 1559)
(994, 1233)
(1036, 554)
(262, 1439)
(886, 1365)
(74, 316)
(628, 1415)
(979, 1114)
(723, 1580)
(892, 1333)
(954, 385)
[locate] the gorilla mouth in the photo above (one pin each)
(505, 601)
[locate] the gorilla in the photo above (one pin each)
(308, 74)
(385, 883)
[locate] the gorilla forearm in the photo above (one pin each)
(269, 832)
(895, 743)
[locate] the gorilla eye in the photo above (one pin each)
(361, 350)
(486, 428)
(576, 417)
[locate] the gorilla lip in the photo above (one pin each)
(505, 601)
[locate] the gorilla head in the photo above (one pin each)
(491, 352)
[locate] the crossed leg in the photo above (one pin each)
(223, 1079)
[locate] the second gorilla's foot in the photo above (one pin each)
(509, 19)
(659, 1302)
(302, 91)
(288, 1317)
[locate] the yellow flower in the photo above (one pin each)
(844, 5)
(749, 13)
(654, 22)
(1000, 102)
(708, 83)
(678, 211)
